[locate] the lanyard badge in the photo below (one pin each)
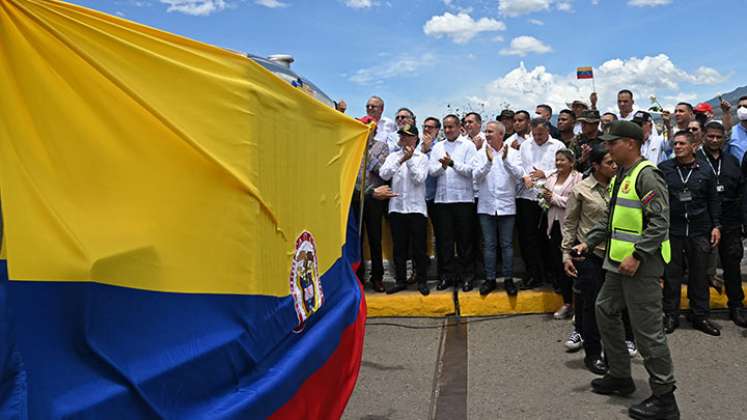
(685, 195)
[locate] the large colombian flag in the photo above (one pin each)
(175, 221)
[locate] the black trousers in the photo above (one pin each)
(455, 227)
(586, 289)
(695, 251)
(409, 235)
(565, 284)
(589, 281)
(433, 216)
(532, 241)
(478, 245)
(373, 213)
(731, 251)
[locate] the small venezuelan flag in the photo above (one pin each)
(584, 73)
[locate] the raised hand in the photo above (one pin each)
(407, 152)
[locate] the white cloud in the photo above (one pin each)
(460, 27)
(513, 8)
(403, 65)
(524, 45)
(536, 22)
(521, 7)
(195, 7)
(135, 3)
(650, 75)
(359, 4)
(272, 4)
(498, 38)
(564, 6)
(648, 3)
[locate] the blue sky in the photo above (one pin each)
(431, 54)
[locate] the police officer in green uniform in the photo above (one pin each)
(637, 251)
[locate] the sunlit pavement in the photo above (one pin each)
(517, 368)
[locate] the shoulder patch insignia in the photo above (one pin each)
(648, 197)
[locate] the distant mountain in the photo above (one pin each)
(731, 97)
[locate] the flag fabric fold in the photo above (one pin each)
(175, 227)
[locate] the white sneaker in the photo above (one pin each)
(574, 341)
(564, 312)
(632, 349)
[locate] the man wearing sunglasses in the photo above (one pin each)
(384, 125)
(403, 118)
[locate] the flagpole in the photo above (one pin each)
(362, 197)
(593, 85)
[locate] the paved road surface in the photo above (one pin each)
(517, 369)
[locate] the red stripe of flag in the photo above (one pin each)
(584, 73)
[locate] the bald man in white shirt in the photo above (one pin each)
(497, 171)
(538, 163)
(451, 163)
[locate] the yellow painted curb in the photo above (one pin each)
(498, 303)
(718, 301)
(409, 303)
(412, 304)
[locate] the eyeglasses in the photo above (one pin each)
(372, 106)
(693, 129)
(429, 127)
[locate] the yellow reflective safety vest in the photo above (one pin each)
(626, 222)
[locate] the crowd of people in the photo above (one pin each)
(594, 201)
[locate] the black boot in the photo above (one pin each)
(444, 284)
(611, 385)
(656, 407)
(423, 288)
(596, 365)
(671, 323)
(737, 315)
(467, 286)
(398, 287)
(511, 289)
(487, 287)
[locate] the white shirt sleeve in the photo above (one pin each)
(435, 167)
(418, 167)
(390, 166)
(464, 167)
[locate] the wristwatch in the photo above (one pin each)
(451, 163)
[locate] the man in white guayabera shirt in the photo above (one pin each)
(497, 172)
(407, 168)
(473, 128)
(537, 162)
(451, 164)
(384, 125)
